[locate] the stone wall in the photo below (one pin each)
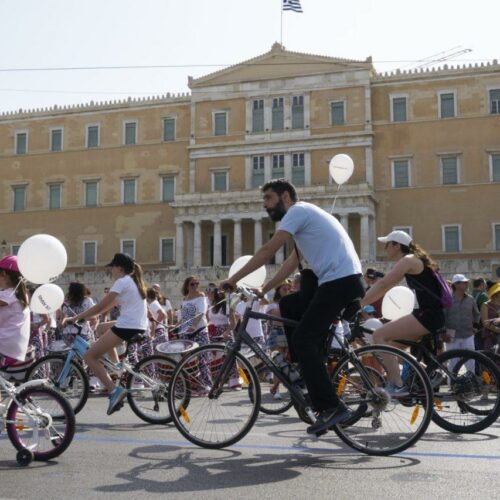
(171, 280)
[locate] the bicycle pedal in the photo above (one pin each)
(321, 433)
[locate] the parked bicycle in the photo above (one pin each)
(218, 416)
(146, 382)
(40, 422)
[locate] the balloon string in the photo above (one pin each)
(335, 198)
(18, 283)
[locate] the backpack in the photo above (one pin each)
(446, 293)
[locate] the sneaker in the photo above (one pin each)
(138, 384)
(277, 396)
(436, 380)
(396, 390)
(115, 399)
(94, 384)
(327, 418)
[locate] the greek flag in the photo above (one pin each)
(292, 5)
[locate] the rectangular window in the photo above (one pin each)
(495, 167)
(258, 174)
(278, 121)
(400, 173)
(447, 105)
(298, 111)
(220, 123)
(298, 169)
(167, 188)
(219, 181)
(14, 249)
(130, 133)
(21, 143)
(128, 247)
(338, 113)
(449, 170)
(496, 233)
(169, 129)
(258, 115)
(129, 191)
(278, 171)
(19, 198)
(406, 229)
(451, 238)
(91, 193)
(54, 196)
(495, 101)
(398, 109)
(167, 250)
(92, 136)
(56, 139)
(89, 253)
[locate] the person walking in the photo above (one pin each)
(490, 317)
(338, 270)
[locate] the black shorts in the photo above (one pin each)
(431, 319)
(126, 333)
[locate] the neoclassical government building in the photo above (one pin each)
(174, 180)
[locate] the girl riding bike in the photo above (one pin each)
(129, 292)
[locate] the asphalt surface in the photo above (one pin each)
(121, 457)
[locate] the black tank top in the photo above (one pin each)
(429, 291)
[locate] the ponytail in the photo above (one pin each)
(19, 285)
(421, 254)
(138, 278)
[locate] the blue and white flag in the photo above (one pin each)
(292, 5)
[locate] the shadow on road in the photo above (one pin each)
(450, 437)
(200, 470)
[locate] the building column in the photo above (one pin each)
(237, 239)
(197, 243)
(217, 243)
(179, 244)
(288, 167)
(373, 239)
(257, 235)
(365, 237)
(344, 220)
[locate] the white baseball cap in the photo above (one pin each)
(398, 237)
(459, 278)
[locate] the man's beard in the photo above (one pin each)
(278, 212)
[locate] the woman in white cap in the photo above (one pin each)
(414, 264)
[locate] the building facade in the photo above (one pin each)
(174, 180)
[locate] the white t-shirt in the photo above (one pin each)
(322, 240)
(133, 309)
(254, 326)
(218, 318)
(192, 309)
(14, 326)
(168, 306)
(155, 309)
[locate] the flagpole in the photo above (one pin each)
(281, 30)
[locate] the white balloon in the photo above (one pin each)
(255, 279)
(341, 168)
(47, 299)
(42, 258)
(372, 324)
(398, 302)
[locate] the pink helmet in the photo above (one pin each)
(9, 263)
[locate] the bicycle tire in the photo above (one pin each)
(224, 407)
(385, 409)
(164, 369)
(444, 414)
(268, 406)
(82, 392)
(64, 420)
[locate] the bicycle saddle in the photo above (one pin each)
(349, 313)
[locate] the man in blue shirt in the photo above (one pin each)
(325, 245)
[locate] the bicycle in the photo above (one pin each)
(40, 422)
(146, 382)
(219, 417)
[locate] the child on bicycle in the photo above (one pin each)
(129, 292)
(14, 313)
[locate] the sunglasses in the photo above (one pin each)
(194, 283)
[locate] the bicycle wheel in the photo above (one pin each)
(384, 422)
(271, 402)
(217, 416)
(470, 401)
(75, 387)
(148, 386)
(41, 421)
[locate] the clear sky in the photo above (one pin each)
(203, 36)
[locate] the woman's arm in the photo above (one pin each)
(103, 306)
(392, 278)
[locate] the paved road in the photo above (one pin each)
(121, 457)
